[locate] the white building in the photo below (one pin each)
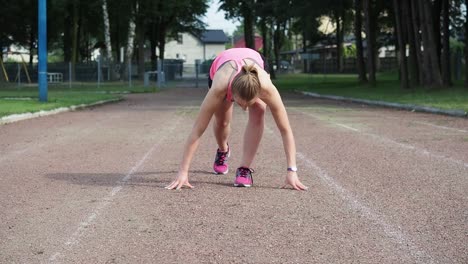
(189, 47)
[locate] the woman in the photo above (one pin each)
(238, 75)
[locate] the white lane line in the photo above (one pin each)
(355, 205)
(74, 239)
(391, 117)
(418, 150)
(430, 124)
(346, 126)
(392, 232)
(442, 127)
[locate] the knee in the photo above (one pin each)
(257, 114)
(222, 124)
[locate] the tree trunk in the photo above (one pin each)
(370, 41)
(107, 38)
(277, 45)
(416, 25)
(466, 49)
(67, 33)
(32, 40)
(426, 61)
(74, 39)
(140, 35)
(402, 45)
(264, 30)
(446, 72)
(154, 45)
(304, 50)
(339, 42)
(248, 24)
(436, 9)
(358, 33)
(427, 81)
(427, 27)
(162, 41)
(407, 19)
(271, 33)
(130, 45)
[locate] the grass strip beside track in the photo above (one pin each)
(387, 89)
(24, 99)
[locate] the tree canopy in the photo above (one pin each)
(422, 31)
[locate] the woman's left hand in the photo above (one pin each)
(293, 180)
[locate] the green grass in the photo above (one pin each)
(22, 99)
(387, 89)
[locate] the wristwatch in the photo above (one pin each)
(292, 168)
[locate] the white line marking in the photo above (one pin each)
(390, 231)
(442, 127)
(74, 239)
(354, 204)
(418, 150)
(345, 126)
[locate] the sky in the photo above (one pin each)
(215, 19)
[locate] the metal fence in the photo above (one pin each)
(349, 66)
(172, 72)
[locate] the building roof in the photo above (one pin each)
(240, 43)
(214, 36)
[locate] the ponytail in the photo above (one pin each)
(246, 84)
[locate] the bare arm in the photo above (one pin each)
(211, 102)
(207, 109)
(273, 99)
(274, 102)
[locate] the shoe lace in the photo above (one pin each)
(221, 158)
(245, 172)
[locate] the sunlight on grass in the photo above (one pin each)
(387, 89)
(23, 99)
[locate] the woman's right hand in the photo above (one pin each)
(179, 182)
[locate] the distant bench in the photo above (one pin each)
(54, 77)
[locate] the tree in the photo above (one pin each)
(337, 10)
(432, 70)
(130, 40)
(359, 49)
(370, 24)
(412, 33)
(107, 35)
(446, 72)
(74, 36)
(246, 10)
(466, 46)
(397, 4)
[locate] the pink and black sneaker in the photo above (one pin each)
(243, 177)
(220, 165)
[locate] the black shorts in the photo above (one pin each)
(266, 67)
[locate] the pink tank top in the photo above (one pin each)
(236, 55)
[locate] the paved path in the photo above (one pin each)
(386, 186)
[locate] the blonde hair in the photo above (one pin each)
(246, 84)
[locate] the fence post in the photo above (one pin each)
(69, 75)
(99, 71)
(159, 67)
(197, 71)
(130, 74)
(19, 75)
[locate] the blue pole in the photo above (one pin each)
(42, 50)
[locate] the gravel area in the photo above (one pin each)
(385, 186)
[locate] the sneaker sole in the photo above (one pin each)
(242, 185)
(221, 173)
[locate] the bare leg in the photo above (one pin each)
(253, 132)
(222, 125)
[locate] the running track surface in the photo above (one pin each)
(385, 186)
